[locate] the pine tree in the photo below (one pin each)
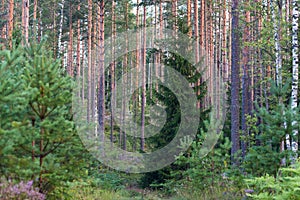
(267, 157)
(13, 102)
(57, 147)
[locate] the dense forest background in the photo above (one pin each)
(240, 59)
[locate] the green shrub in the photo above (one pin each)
(286, 186)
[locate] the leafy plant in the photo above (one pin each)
(286, 186)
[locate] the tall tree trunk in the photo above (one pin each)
(143, 83)
(174, 14)
(189, 22)
(224, 43)
(89, 98)
(277, 26)
(3, 33)
(202, 49)
(60, 29)
(125, 65)
(245, 81)
(78, 51)
(196, 30)
(258, 70)
(295, 83)
(54, 44)
(40, 27)
(235, 83)
(229, 43)
(112, 72)
(211, 49)
(35, 34)
(202, 29)
(156, 57)
(70, 56)
(136, 96)
(10, 22)
(196, 36)
(161, 36)
(35, 6)
(25, 20)
(93, 75)
(101, 76)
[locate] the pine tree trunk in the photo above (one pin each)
(112, 73)
(125, 65)
(189, 22)
(101, 77)
(3, 33)
(202, 29)
(174, 14)
(202, 49)
(161, 36)
(10, 22)
(89, 98)
(35, 6)
(235, 83)
(143, 83)
(224, 43)
(78, 52)
(196, 36)
(196, 30)
(229, 43)
(93, 76)
(211, 50)
(136, 96)
(245, 81)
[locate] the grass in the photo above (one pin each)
(92, 193)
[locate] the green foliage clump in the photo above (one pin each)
(83, 190)
(207, 171)
(38, 136)
(107, 180)
(286, 186)
(13, 102)
(265, 155)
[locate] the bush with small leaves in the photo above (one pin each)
(286, 186)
